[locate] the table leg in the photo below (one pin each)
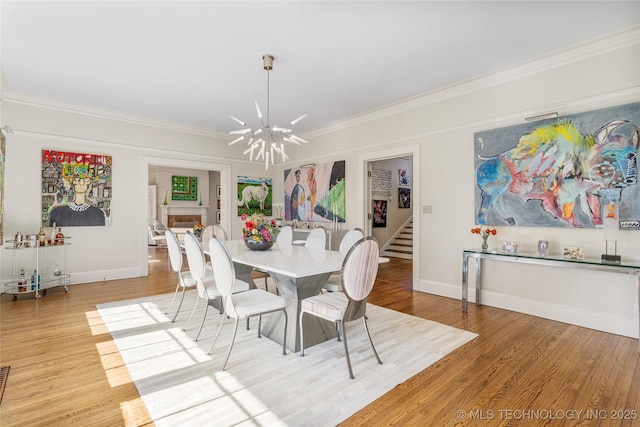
(294, 290)
(478, 279)
(465, 282)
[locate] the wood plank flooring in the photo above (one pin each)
(522, 370)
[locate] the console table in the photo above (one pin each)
(623, 267)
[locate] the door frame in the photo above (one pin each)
(366, 208)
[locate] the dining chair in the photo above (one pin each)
(185, 280)
(207, 234)
(219, 232)
(334, 283)
(317, 238)
(358, 274)
(285, 236)
(157, 237)
(243, 305)
(206, 287)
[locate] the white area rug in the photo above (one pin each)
(182, 385)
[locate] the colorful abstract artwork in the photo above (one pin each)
(379, 213)
(184, 188)
(254, 195)
(564, 172)
(76, 189)
(315, 193)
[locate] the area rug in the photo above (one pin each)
(181, 384)
(4, 373)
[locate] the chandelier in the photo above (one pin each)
(267, 142)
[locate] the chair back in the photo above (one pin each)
(196, 261)
(285, 236)
(207, 234)
(175, 253)
(317, 238)
(358, 275)
(223, 270)
(349, 239)
(220, 233)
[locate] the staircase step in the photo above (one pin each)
(401, 249)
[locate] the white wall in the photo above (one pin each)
(441, 124)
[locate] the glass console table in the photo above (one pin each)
(623, 267)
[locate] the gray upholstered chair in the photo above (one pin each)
(358, 275)
(243, 305)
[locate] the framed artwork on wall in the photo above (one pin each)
(254, 195)
(403, 177)
(379, 213)
(315, 192)
(76, 189)
(560, 172)
(218, 191)
(184, 188)
(404, 198)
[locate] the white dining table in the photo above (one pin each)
(298, 273)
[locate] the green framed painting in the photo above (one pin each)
(184, 188)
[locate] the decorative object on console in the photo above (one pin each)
(588, 158)
(573, 252)
(198, 229)
(484, 233)
(543, 248)
(611, 232)
(259, 233)
(269, 140)
(510, 247)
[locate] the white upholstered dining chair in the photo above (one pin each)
(285, 236)
(205, 283)
(358, 275)
(185, 280)
(334, 283)
(317, 239)
(243, 305)
(219, 232)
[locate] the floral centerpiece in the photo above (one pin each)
(198, 229)
(259, 232)
(484, 233)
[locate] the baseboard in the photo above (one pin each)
(600, 321)
(102, 275)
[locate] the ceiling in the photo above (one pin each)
(197, 63)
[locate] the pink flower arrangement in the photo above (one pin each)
(258, 227)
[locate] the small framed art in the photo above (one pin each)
(543, 248)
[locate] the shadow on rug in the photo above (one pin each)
(181, 384)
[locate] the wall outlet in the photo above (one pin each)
(427, 209)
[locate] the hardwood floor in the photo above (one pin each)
(520, 370)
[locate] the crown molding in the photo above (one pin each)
(111, 115)
(611, 42)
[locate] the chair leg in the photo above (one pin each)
(346, 349)
(366, 327)
(259, 326)
(173, 299)
(301, 336)
(204, 317)
(235, 331)
(184, 291)
(195, 304)
(284, 337)
(266, 286)
(222, 319)
(338, 331)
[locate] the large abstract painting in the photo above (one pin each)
(255, 195)
(315, 193)
(76, 189)
(565, 172)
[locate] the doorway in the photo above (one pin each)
(366, 163)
